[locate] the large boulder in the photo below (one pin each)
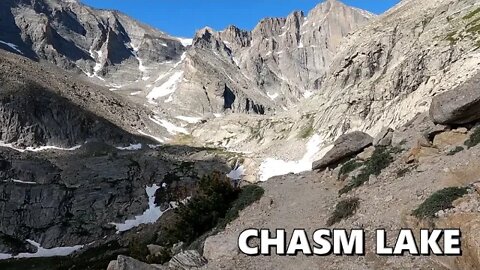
(345, 147)
(458, 106)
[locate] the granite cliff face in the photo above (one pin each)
(105, 45)
(261, 71)
(272, 67)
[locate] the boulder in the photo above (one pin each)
(458, 106)
(186, 260)
(346, 146)
(384, 138)
(127, 263)
(450, 138)
(220, 247)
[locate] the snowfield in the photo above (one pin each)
(237, 173)
(38, 149)
(43, 252)
(166, 88)
(150, 216)
(170, 127)
(12, 46)
(273, 167)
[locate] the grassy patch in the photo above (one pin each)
(472, 14)
(440, 200)
(343, 209)
(454, 151)
(451, 38)
(307, 131)
(349, 167)
(474, 138)
(382, 157)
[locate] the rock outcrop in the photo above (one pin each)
(187, 260)
(458, 106)
(127, 263)
(344, 147)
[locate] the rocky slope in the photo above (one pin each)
(260, 71)
(382, 76)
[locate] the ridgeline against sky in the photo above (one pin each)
(184, 17)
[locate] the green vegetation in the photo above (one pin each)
(456, 150)
(451, 37)
(215, 204)
(349, 167)
(248, 195)
(472, 14)
(382, 157)
(343, 209)
(440, 200)
(474, 138)
(307, 131)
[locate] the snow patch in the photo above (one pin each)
(12, 46)
(131, 147)
(186, 41)
(171, 128)
(38, 149)
(237, 173)
(189, 119)
(272, 96)
(43, 252)
(151, 136)
(274, 167)
(135, 93)
(20, 182)
(307, 94)
(150, 216)
(167, 88)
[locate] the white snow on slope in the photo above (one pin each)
(131, 147)
(272, 96)
(170, 127)
(166, 88)
(189, 119)
(43, 252)
(38, 149)
(20, 182)
(160, 140)
(273, 167)
(186, 41)
(307, 94)
(150, 216)
(13, 46)
(237, 173)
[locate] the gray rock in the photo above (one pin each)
(187, 260)
(384, 138)
(346, 146)
(155, 249)
(127, 263)
(458, 106)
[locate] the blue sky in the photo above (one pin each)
(183, 17)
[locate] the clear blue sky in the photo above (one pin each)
(183, 17)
